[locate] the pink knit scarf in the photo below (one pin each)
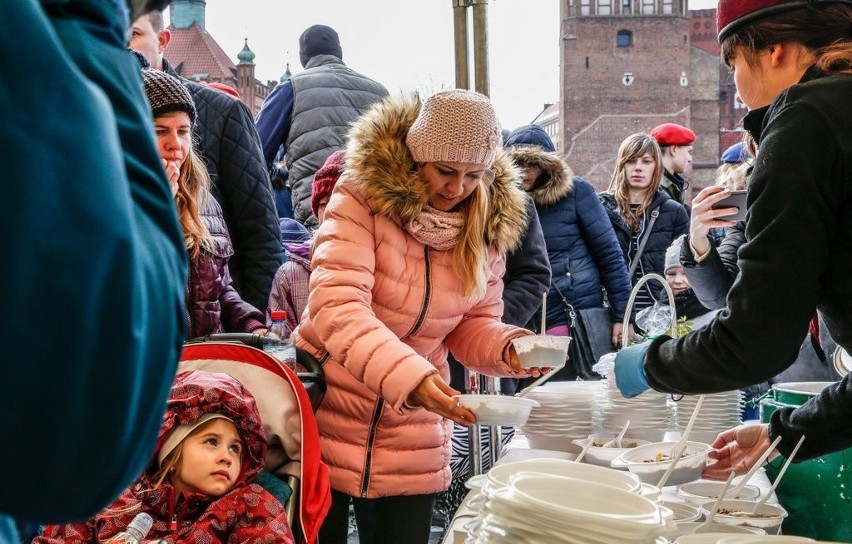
(438, 230)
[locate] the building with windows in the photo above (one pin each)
(629, 65)
(195, 55)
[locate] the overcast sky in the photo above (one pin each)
(407, 44)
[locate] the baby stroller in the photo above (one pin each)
(294, 472)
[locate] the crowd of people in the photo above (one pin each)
(424, 237)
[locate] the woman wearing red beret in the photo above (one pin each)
(792, 65)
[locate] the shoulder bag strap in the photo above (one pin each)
(642, 243)
(572, 313)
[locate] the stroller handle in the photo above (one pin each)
(306, 360)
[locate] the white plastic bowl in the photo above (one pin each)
(772, 515)
(682, 511)
(498, 409)
(641, 462)
(501, 474)
(598, 455)
(701, 491)
(541, 350)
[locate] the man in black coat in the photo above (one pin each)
(229, 142)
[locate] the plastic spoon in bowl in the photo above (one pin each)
(585, 449)
(617, 440)
(540, 380)
(748, 475)
(680, 445)
(716, 504)
(789, 460)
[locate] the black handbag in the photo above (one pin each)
(591, 337)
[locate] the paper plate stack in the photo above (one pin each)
(650, 413)
(719, 412)
(544, 508)
(563, 415)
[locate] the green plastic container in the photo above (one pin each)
(817, 493)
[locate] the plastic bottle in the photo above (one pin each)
(278, 343)
(136, 530)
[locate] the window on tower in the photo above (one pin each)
(604, 7)
(668, 7)
(649, 7)
(585, 7)
(624, 38)
(626, 7)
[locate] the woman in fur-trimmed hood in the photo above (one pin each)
(407, 266)
(581, 243)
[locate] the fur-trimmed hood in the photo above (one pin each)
(561, 180)
(380, 164)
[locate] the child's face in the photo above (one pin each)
(677, 279)
(210, 460)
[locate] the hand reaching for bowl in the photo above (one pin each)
(737, 450)
(433, 394)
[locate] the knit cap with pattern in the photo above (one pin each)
(167, 94)
(455, 126)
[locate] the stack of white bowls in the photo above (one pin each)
(719, 412)
(563, 415)
(650, 413)
(544, 508)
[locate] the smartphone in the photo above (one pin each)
(735, 199)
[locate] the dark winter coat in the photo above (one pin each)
(581, 245)
(246, 513)
(671, 223)
(212, 303)
(527, 273)
(226, 137)
(796, 258)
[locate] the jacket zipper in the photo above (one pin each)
(377, 411)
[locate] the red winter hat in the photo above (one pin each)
(672, 134)
(325, 179)
(731, 15)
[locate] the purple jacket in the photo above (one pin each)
(212, 303)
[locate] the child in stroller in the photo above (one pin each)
(200, 484)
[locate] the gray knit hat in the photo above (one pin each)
(167, 94)
(455, 126)
(673, 253)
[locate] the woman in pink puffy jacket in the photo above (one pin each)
(407, 265)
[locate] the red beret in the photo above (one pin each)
(731, 15)
(225, 88)
(325, 179)
(672, 134)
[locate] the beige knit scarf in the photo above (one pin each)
(438, 230)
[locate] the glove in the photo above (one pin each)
(630, 374)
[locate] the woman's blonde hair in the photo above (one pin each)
(191, 196)
(633, 147)
(470, 256)
(823, 30)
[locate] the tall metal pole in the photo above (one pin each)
(480, 46)
(461, 51)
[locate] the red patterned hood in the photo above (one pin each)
(197, 392)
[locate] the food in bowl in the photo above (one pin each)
(701, 491)
(498, 409)
(541, 351)
(768, 517)
(651, 461)
(603, 450)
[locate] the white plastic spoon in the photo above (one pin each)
(748, 475)
(789, 460)
(617, 440)
(585, 449)
(680, 445)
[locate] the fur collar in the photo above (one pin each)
(561, 180)
(380, 165)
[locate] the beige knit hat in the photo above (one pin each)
(455, 126)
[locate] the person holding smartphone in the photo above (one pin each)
(792, 66)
